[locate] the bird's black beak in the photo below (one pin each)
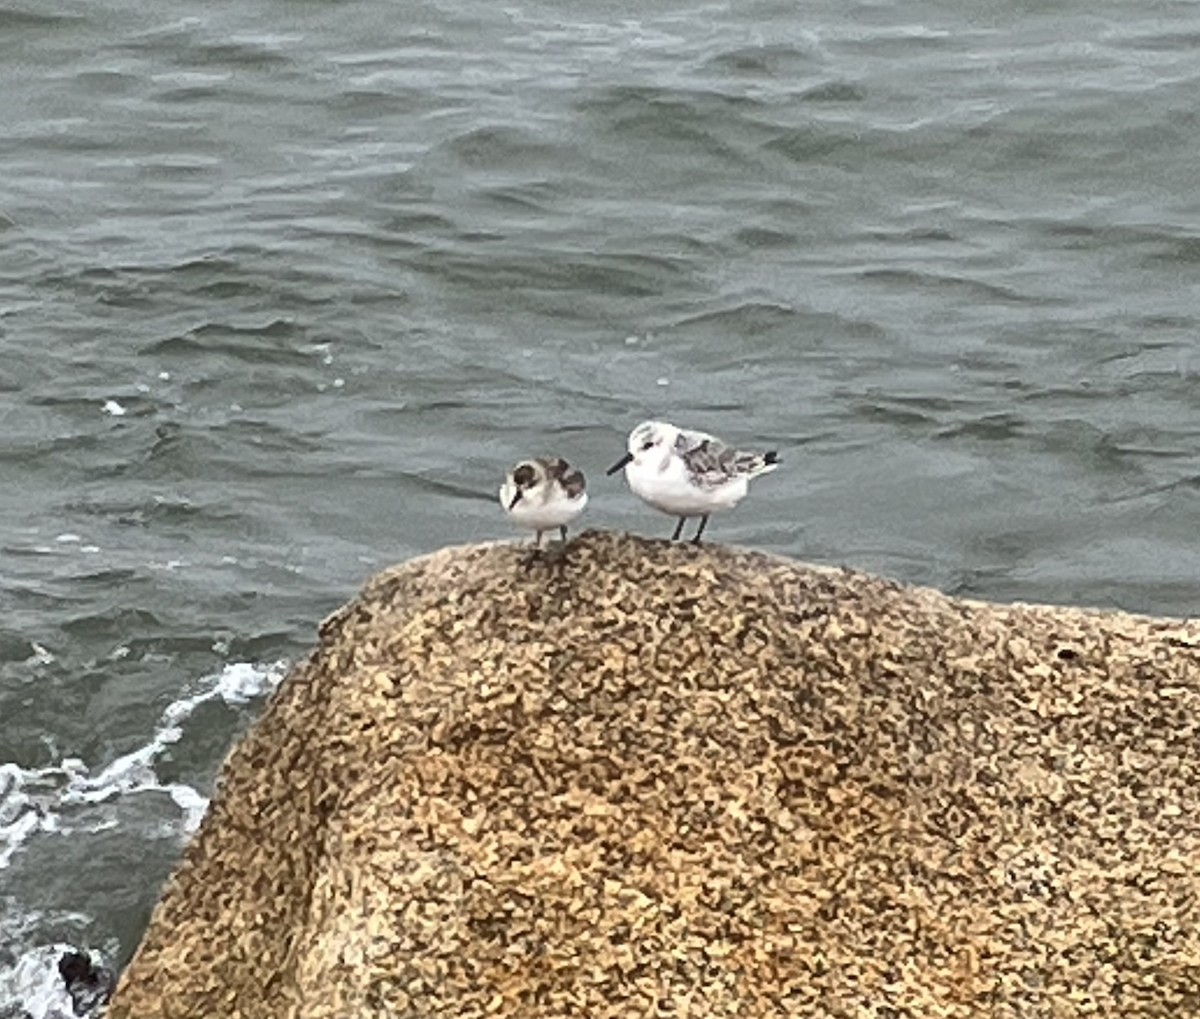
(619, 464)
(516, 497)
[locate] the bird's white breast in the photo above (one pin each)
(672, 490)
(556, 511)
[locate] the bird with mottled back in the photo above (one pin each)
(687, 473)
(712, 462)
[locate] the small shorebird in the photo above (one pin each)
(543, 494)
(688, 474)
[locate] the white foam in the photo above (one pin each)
(32, 984)
(40, 655)
(191, 803)
(22, 807)
(34, 800)
(114, 408)
(35, 985)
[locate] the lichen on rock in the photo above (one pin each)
(653, 779)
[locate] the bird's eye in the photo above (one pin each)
(648, 444)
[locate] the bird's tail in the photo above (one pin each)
(761, 463)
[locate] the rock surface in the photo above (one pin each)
(656, 780)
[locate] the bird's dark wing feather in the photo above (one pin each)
(713, 463)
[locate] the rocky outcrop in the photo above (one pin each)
(658, 780)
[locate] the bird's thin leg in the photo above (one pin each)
(678, 529)
(700, 529)
(563, 533)
(536, 555)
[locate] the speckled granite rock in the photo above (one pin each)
(667, 781)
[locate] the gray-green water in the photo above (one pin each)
(284, 287)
